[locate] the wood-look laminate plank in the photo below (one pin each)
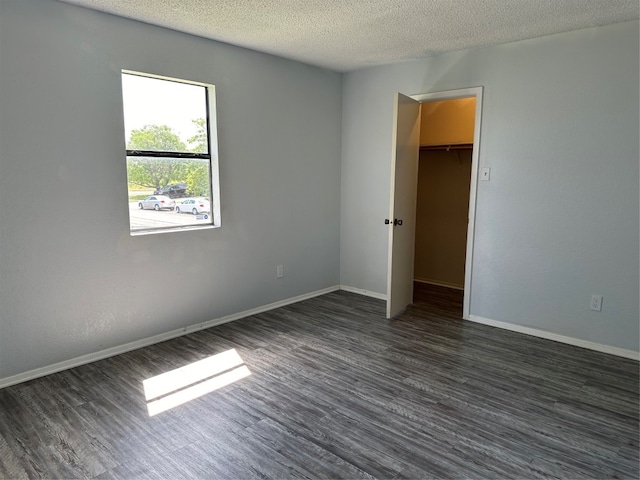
(317, 462)
(337, 391)
(10, 465)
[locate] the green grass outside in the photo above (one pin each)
(134, 198)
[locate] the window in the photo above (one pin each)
(172, 168)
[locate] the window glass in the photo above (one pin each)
(164, 115)
(170, 165)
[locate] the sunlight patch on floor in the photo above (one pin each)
(177, 387)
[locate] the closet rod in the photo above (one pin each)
(453, 146)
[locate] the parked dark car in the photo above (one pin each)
(174, 190)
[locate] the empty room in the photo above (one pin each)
(218, 225)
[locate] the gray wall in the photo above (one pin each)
(557, 222)
(559, 219)
(72, 279)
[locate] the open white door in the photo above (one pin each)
(402, 210)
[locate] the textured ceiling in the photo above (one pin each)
(345, 35)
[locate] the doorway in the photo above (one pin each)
(442, 204)
(401, 275)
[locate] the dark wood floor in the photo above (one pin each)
(336, 391)
(438, 300)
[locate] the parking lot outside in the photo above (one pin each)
(149, 219)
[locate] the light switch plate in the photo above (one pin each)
(485, 174)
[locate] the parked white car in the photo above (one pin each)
(194, 205)
(157, 202)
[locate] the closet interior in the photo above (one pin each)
(444, 176)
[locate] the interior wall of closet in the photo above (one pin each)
(444, 176)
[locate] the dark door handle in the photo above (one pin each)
(395, 222)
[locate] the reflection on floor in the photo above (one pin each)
(438, 300)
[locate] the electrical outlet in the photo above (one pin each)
(596, 303)
(279, 271)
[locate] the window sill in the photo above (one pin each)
(172, 230)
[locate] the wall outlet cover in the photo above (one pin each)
(596, 303)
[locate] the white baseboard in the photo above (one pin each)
(145, 342)
(438, 284)
(368, 293)
(599, 347)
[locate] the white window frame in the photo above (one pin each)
(212, 156)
